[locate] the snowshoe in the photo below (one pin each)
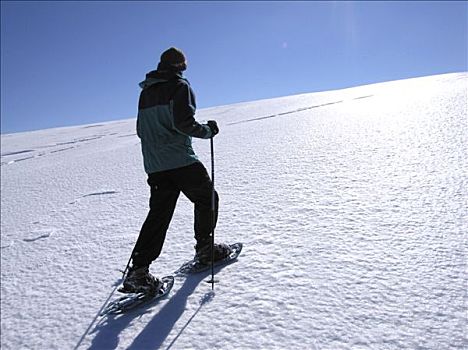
(196, 266)
(131, 301)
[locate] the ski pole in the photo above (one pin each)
(213, 209)
(126, 267)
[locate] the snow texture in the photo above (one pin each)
(351, 204)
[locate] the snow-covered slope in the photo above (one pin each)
(351, 204)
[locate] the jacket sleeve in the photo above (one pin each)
(184, 110)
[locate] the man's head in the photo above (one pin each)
(174, 58)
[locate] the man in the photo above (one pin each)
(165, 125)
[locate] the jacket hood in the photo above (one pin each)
(159, 76)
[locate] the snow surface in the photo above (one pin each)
(351, 204)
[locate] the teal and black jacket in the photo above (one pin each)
(166, 123)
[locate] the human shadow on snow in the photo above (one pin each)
(160, 326)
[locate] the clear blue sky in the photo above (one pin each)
(70, 63)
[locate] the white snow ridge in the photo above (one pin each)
(351, 204)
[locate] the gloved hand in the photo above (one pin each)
(213, 126)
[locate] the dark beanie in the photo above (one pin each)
(173, 56)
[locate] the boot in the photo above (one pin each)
(139, 280)
(221, 251)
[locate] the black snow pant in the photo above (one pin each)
(193, 181)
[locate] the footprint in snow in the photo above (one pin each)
(7, 245)
(17, 152)
(103, 193)
(99, 193)
(38, 235)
